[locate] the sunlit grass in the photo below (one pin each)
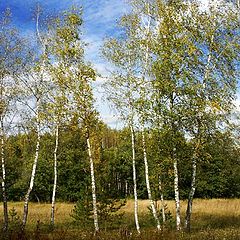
(211, 219)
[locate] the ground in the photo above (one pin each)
(211, 219)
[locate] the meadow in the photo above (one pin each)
(212, 219)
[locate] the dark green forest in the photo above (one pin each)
(218, 167)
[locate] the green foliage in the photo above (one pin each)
(14, 220)
(218, 170)
(82, 212)
(169, 219)
(109, 217)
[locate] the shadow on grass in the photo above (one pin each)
(211, 221)
(125, 234)
(205, 227)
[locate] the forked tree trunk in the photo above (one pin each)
(55, 177)
(191, 194)
(176, 192)
(26, 200)
(134, 180)
(4, 194)
(94, 198)
(154, 211)
(193, 185)
(162, 199)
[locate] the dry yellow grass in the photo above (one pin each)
(41, 212)
(214, 219)
(203, 211)
(221, 207)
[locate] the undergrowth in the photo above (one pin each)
(211, 220)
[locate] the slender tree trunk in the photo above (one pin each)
(4, 194)
(162, 199)
(26, 201)
(177, 199)
(154, 212)
(55, 177)
(193, 184)
(95, 214)
(191, 194)
(134, 180)
(126, 188)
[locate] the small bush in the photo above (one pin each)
(107, 213)
(169, 220)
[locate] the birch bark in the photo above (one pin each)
(26, 201)
(176, 192)
(175, 169)
(191, 194)
(4, 194)
(134, 180)
(162, 199)
(154, 212)
(55, 176)
(94, 198)
(194, 159)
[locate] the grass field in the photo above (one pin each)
(211, 219)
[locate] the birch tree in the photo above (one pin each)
(11, 46)
(192, 60)
(137, 26)
(145, 17)
(218, 74)
(33, 84)
(122, 93)
(169, 68)
(57, 102)
(76, 77)
(57, 113)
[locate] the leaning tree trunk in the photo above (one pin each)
(134, 180)
(94, 198)
(176, 192)
(4, 194)
(154, 212)
(26, 201)
(55, 178)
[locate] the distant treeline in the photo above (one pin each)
(218, 168)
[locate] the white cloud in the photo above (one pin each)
(112, 120)
(104, 11)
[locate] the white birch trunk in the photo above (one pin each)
(177, 199)
(154, 211)
(95, 214)
(26, 201)
(193, 184)
(134, 180)
(162, 199)
(194, 162)
(4, 194)
(191, 194)
(55, 177)
(126, 188)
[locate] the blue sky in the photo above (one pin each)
(100, 17)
